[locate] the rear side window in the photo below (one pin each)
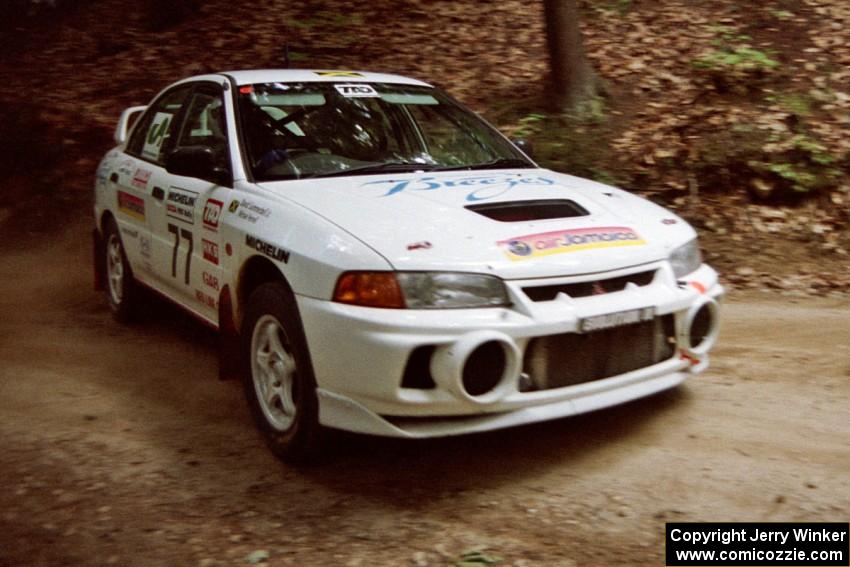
(150, 138)
(204, 125)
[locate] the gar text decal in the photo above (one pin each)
(562, 241)
(210, 280)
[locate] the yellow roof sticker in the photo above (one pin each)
(338, 74)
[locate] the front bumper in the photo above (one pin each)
(360, 354)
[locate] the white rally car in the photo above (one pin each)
(380, 260)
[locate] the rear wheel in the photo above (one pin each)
(121, 291)
(278, 378)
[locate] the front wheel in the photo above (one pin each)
(277, 377)
(121, 292)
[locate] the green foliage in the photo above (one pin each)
(726, 35)
(575, 143)
(295, 56)
(476, 559)
(258, 556)
(794, 165)
(782, 14)
(741, 58)
(795, 103)
(341, 30)
(734, 64)
(529, 125)
(591, 109)
(804, 166)
(327, 21)
(621, 6)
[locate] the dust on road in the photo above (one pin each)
(121, 447)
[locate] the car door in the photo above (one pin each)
(140, 178)
(185, 224)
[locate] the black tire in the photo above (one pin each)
(122, 293)
(278, 376)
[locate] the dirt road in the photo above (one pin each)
(120, 446)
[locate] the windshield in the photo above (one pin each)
(299, 130)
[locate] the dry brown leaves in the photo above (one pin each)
(84, 70)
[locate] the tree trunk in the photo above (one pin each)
(571, 76)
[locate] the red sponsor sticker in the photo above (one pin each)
(140, 178)
(131, 205)
(210, 251)
(205, 299)
(419, 246)
(699, 287)
(572, 240)
(212, 212)
(210, 280)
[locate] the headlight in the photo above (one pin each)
(439, 290)
(420, 290)
(686, 258)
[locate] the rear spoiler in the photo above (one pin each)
(123, 127)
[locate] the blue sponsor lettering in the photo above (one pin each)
(483, 187)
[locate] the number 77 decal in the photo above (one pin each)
(187, 234)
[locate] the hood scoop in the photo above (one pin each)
(518, 211)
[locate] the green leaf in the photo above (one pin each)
(257, 556)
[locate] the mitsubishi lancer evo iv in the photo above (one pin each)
(378, 259)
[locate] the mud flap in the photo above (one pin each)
(229, 364)
(98, 257)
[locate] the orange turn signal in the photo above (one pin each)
(369, 289)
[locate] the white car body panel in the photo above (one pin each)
(465, 241)
(310, 76)
(314, 230)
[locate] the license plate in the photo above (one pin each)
(619, 319)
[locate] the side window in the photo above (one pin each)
(204, 125)
(151, 136)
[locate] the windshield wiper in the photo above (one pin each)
(386, 167)
(497, 163)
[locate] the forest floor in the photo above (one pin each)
(121, 447)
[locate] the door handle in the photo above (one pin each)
(114, 178)
(158, 193)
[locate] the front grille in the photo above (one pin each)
(584, 289)
(562, 360)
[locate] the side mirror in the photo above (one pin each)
(524, 145)
(200, 162)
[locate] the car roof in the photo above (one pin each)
(247, 77)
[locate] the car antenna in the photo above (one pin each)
(286, 62)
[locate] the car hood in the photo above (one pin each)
(428, 221)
